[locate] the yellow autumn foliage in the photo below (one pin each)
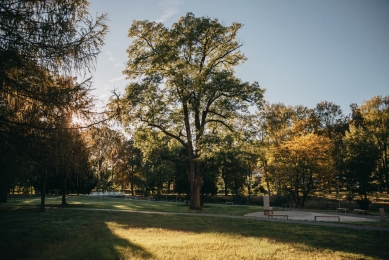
(303, 165)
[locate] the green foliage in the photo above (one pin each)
(363, 203)
(375, 114)
(304, 164)
(41, 44)
(54, 34)
(360, 156)
(185, 85)
(279, 200)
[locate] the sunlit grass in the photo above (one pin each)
(26, 233)
(168, 244)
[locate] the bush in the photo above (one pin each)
(363, 203)
(279, 200)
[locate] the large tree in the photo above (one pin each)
(39, 41)
(54, 34)
(182, 82)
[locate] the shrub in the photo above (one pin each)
(363, 203)
(279, 200)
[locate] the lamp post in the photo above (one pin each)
(337, 191)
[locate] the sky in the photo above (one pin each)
(302, 52)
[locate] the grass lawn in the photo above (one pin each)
(126, 204)
(26, 233)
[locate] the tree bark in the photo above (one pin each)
(64, 193)
(43, 193)
(195, 178)
(195, 193)
(386, 170)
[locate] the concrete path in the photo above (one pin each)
(296, 217)
(310, 216)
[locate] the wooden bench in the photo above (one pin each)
(278, 215)
(327, 216)
(360, 211)
(230, 203)
(342, 209)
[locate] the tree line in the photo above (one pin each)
(190, 124)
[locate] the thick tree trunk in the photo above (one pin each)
(195, 178)
(195, 182)
(195, 193)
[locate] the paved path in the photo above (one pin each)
(296, 217)
(310, 216)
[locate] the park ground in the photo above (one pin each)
(108, 228)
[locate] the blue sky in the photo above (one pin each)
(301, 52)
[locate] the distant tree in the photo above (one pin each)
(210, 182)
(304, 163)
(330, 117)
(158, 167)
(185, 84)
(375, 114)
(128, 165)
(359, 160)
(275, 123)
(105, 145)
(332, 124)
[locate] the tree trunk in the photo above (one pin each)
(386, 170)
(267, 177)
(195, 178)
(195, 182)
(43, 193)
(225, 182)
(64, 193)
(3, 194)
(195, 193)
(131, 178)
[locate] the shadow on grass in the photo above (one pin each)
(29, 234)
(77, 234)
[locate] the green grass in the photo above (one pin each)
(138, 205)
(26, 233)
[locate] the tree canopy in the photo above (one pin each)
(183, 83)
(43, 44)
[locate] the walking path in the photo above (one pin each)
(310, 216)
(294, 217)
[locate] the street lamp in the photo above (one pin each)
(337, 192)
